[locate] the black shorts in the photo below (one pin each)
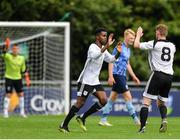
(16, 84)
(121, 85)
(84, 90)
(158, 86)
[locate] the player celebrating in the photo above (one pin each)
(15, 66)
(88, 82)
(117, 79)
(161, 55)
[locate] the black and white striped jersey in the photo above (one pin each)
(160, 55)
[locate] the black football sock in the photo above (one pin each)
(143, 115)
(94, 108)
(163, 111)
(70, 115)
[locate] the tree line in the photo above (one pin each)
(115, 15)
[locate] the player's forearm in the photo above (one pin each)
(4, 49)
(27, 78)
(139, 34)
(7, 45)
(137, 42)
(114, 57)
(130, 71)
(117, 55)
(103, 49)
(110, 70)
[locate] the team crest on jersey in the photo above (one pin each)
(85, 93)
(79, 93)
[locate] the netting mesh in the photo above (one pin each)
(44, 50)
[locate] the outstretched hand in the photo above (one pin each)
(137, 81)
(7, 43)
(111, 81)
(139, 31)
(110, 40)
(119, 46)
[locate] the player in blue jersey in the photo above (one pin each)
(117, 79)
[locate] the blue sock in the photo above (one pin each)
(131, 109)
(106, 110)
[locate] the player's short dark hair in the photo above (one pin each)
(99, 30)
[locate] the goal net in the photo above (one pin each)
(46, 48)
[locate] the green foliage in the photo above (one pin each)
(115, 15)
(139, 62)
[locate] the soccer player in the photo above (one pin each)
(117, 79)
(15, 66)
(161, 55)
(88, 81)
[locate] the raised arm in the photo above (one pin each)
(94, 53)
(119, 49)
(7, 45)
(5, 48)
(139, 34)
(111, 58)
(109, 43)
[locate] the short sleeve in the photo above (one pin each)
(114, 51)
(147, 45)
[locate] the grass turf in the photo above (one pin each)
(46, 127)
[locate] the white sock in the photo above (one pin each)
(21, 105)
(6, 105)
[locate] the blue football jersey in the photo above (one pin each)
(120, 65)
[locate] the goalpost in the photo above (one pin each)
(46, 48)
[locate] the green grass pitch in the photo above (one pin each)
(46, 127)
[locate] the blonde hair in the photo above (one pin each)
(163, 29)
(129, 31)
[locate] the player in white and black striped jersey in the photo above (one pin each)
(88, 82)
(161, 56)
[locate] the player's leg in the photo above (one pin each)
(150, 92)
(21, 104)
(8, 88)
(73, 111)
(107, 109)
(166, 81)
(82, 95)
(18, 85)
(6, 105)
(118, 87)
(163, 111)
(101, 95)
(144, 113)
(128, 100)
